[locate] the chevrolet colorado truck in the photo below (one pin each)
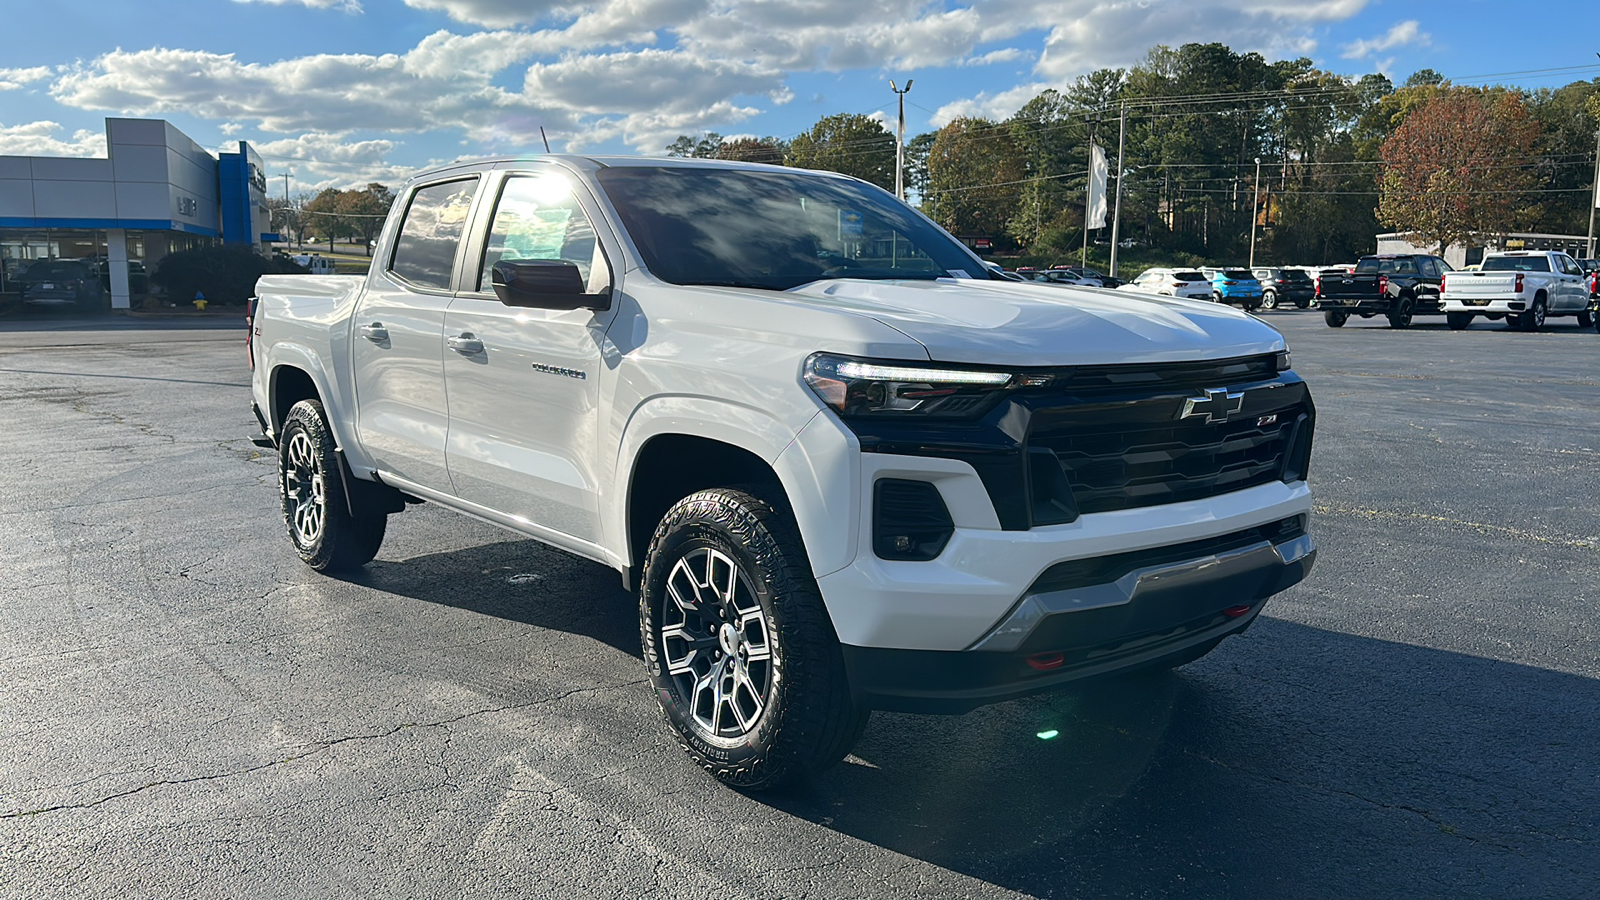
(844, 467)
(1526, 287)
(1396, 286)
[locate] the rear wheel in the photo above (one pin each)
(1303, 303)
(1585, 319)
(1269, 299)
(738, 645)
(1458, 320)
(1335, 317)
(311, 483)
(1400, 315)
(1533, 319)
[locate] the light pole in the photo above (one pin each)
(1595, 200)
(1116, 207)
(1255, 191)
(900, 142)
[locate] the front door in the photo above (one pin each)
(397, 338)
(525, 383)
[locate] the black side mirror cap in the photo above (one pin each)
(544, 284)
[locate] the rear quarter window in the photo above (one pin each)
(436, 218)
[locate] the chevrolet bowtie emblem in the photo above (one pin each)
(1216, 406)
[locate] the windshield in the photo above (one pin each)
(1517, 264)
(774, 230)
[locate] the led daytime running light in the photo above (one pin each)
(873, 372)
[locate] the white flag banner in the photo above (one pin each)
(1094, 213)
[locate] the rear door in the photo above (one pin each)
(525, 383)
(397, 339)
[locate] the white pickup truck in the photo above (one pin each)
(1526, 287)
(844, 467)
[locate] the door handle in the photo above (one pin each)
(466, 344)
(375, 332)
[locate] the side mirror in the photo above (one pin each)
(544, 284)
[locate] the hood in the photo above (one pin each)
(1007, 323)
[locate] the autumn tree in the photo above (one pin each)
(976, 175)
(848, 143)
(1458, 165)
(323, 215)
(365, 210)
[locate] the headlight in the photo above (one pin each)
(857, 387)
(1283, 360)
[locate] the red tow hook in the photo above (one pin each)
(1234, 612)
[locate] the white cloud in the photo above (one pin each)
(987, 106)
(646, 80)
(349, 6)
(323, 160)
(11, 79)
(39, 139)
(994, 57)
(1401, 35)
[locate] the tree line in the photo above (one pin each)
(333, 214)
(1340, 159)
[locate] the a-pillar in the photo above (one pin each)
(117, 255)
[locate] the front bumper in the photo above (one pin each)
(1153, 615)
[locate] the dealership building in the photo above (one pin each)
(156, 192)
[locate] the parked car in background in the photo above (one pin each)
(1398, 286)
(1082, 272)
(1235, 286)
(1285, 286)
(74, 282)
(1527, 287)
(1064, 276)
(1172, 283)
(1591, 270)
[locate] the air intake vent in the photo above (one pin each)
(910, 521)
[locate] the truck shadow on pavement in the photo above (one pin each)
(1292, 762)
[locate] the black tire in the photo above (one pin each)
(1458, 320)
(311, 486)
(1303, 303)
(1252, 305)
(793, 714)
(1400, 315)
(1585, 319)
(1596, 323)
(1269, 299)
(1335, 317)
(1533, 319)
(1216, 297)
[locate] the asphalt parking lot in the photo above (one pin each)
(189, 712)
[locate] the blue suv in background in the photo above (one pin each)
(1235, 286)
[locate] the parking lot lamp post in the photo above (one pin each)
(1255, 191)
(900, 142)
(1116, 206)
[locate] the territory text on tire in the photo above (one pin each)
(1458, 320)
(738, 644)
(311, 482)
(1334, 317)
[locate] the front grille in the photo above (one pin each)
(1133, 450)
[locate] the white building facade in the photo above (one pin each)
(156, 192)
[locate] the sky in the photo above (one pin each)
(338, 93)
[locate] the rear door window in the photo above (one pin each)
(425, 249)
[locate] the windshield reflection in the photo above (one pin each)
(774, 230)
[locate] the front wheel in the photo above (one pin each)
(1585, 319)
(1458, 320)
(311, 482)
(1269, 300)
(739, 646)
(1335, 317)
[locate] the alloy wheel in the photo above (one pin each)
(716, 643)
(304, 489)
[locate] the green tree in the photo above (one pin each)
(703, 147)
(365, 210)
(976, 173)
(848, 143)
(757, 150)
(324, 216)
(1455, 167)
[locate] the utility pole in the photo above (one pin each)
(286, 202)
(1116, 209)
(900, 142)
(1595, 200)
(1255, 192)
